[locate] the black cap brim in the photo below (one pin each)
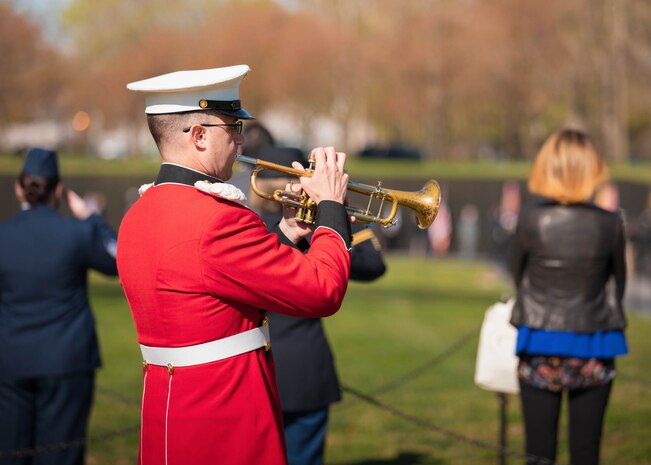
(240, 114)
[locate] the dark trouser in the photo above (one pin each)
(45, 412)
(305, 436)
(541, 410)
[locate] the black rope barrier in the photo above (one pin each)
(424, 423)
(112, 393)
(420, 370)
(55, 447)
(357, 394)
(73, 443)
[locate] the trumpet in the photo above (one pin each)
(424, 203)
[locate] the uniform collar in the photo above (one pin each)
(37, 207)
(177, 174)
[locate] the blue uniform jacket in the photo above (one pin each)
(46, 324)
(305, 367)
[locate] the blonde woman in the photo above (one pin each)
(569, 269)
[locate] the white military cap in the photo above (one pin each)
(203, 89)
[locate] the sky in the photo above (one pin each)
(44, 12)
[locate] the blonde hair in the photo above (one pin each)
(568, 168)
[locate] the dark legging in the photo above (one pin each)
(541, 410)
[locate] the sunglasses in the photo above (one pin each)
(235, 127)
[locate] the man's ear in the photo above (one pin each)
(20, 192)
(58, 190)
(198, 136)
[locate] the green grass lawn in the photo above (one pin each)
(408, 339)
(379, 169)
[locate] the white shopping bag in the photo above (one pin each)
(497, 365)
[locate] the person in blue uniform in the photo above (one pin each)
(48, 344)
(305, 367)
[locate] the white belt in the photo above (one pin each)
(208, 351)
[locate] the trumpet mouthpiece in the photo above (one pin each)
(245, 159)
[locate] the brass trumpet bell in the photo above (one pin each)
(424, 203)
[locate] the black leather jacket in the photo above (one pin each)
(569, 267)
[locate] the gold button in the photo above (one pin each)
(145, 365)
(267, 346)
(170, 369)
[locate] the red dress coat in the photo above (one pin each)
(196, 268)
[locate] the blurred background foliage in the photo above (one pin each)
(458, 79)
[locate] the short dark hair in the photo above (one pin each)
(162, 124)
(37, 189)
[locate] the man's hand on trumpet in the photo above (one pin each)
(294, 229)
(329, 181)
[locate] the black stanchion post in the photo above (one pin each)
(503, 401)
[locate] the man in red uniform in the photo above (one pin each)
(200, 271)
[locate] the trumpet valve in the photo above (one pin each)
(393, 222)
(309, 216)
